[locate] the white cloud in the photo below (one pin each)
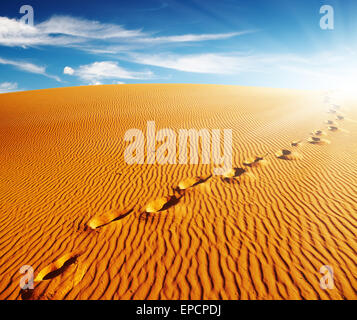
(68, 70)
(191, 37)
(8, 87)
(78, 32)
(198, 63)
(25, 66)
(78, 27)
(97, 71)
(232, 63)
(59, 31)
(136, 43)
(28, 67)
(320, 70)
(16, 33)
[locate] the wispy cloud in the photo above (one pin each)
(15, 33)
(318, 70)
(163, 5)
(60, 31)
(214, 63)
(105, 70)
(28, 67)
(77, 27)
(198, 63)
(192, 37)
(81, 33)
(8, 87)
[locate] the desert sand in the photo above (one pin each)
(94, 227)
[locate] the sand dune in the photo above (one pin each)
(94, 227)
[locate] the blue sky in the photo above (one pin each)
(275, 43)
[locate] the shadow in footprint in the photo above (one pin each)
(172, 202)
(58, 267)
(296, 143)
(284, 154)
(254, 161)
(233, 173)
(109, 217)
(330, 122)
(59, 271)
(161, 204)
(333, 128)
(190, 182)
(26, 294)
(318, 133)
(317, 141)
(314, 140)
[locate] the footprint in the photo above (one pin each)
(191, 181)
(318, 133)
(296, 143)
(73, 273)
(284, 154)
(229, 175)
(333, 128)
(317, 140)
(162, 203)
(330, 122)
(255, 161)
(58, 267)
(233, 173)
(108, 217)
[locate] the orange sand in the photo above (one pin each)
(75, 211)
